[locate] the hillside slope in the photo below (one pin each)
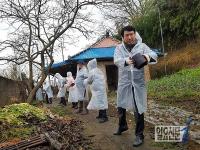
(181, 89)
(187, 57)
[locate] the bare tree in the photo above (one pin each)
(38, 24)
(11, 72)
(121, 11)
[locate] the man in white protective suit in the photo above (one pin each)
(98, 88)
(60, 82)
(130, 57)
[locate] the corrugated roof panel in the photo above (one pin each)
(55, 65)
(90, 53)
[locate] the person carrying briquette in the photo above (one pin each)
(130, 57)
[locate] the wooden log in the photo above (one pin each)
(36, 140)
(54, 143)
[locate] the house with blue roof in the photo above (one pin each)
(103, 51)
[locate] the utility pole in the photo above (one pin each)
(161, 34)
(62, 46)
(47, 66)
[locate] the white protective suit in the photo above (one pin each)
(48, 90)
(80, 87)
(129, 77)
(72, 89)
(39, 95)
(60, 82)
(98, 87)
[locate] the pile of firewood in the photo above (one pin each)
(65, 134)
(56, 133)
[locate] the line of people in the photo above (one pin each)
(90, 79)
(86, 92)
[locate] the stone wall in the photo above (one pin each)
(11, 91)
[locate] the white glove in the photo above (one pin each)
(147, 57)
(129, 61)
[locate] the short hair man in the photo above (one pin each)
(131, 93)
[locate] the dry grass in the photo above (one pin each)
(186, 57)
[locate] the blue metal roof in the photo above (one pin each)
(55, 65)
(90, 53)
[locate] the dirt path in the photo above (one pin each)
(102, 136)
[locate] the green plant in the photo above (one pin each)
(20, 132)
(60, 110)
(16, 113)
(183, 84)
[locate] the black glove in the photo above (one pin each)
(139, 61)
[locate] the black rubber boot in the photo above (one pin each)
(80, 107)
(50, 100)
(63, 101)
(138, 141)
(85, 110)
(75, 105)
(122, 121)
(47, 99)
(100, 114)
(104, 116)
